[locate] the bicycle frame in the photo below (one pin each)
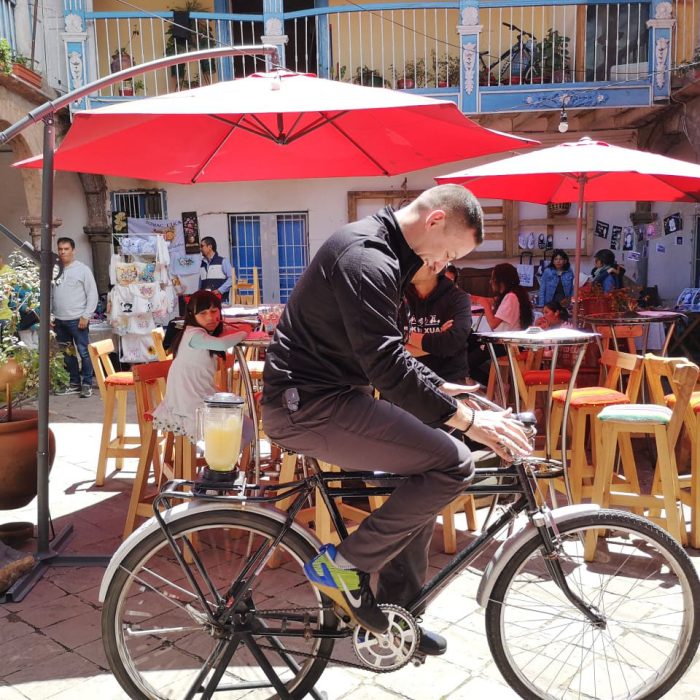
(521, 477)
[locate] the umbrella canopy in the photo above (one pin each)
(584, 171)
(599, 170)
(272, 126)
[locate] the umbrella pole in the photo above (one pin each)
(579, 241)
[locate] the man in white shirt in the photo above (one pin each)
(73, 301)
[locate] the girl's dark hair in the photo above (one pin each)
(198, 302)
(557, 308)
(507, 275)
(606, 256)
(558, 252)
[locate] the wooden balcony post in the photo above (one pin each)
(469, 30)
(660, 40)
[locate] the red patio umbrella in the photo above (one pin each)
(272, 126)
(583, 171)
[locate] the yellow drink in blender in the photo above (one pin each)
(222, 443)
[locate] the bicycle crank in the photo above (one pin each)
(393, 649)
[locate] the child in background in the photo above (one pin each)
(191, 376)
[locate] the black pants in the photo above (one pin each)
(359, 433)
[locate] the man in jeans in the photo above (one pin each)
(337, 337)
(73, 301)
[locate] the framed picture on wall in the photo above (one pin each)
(190, 227)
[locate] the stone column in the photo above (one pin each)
(660, 39)
(469, 31)
(100, 238)
(33, 223)
(273, 20)
(74, 40)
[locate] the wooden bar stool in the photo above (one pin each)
(618, 422)
(690, 483)
(532, 380)
(115, 388)
(157, 334)
(586, 404)
(247, 293)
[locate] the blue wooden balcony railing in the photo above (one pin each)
(496, 56)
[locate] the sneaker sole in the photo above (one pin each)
(339, 599)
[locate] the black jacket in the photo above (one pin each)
(339, 328)
(447, 350)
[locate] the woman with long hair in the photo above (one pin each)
(509, 310)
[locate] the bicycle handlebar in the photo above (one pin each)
(515, 28)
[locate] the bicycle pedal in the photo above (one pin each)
(418, 658)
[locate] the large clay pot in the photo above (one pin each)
(18, 446)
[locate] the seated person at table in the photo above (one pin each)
(438, 324)
(191, 376)
(607, 274)
(557, 283)
(509, 310)
(554, 315)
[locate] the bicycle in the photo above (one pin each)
(580, 601)
(514, 66)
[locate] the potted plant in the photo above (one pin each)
(689, 71)
(369, 77)
(18, 65)
(412, 74)
(193, 35)
(551, 61)
(19, 384)
(444, 70)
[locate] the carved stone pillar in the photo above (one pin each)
(100, 238)
(642, 214)
(98, 228)
(469, 31)
(33, 223)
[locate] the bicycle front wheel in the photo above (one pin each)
(159, 636)
(639, 579)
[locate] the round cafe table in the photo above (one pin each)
(533, 339)
(614, 320)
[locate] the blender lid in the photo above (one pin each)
(223, 400)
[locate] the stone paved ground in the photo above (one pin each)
(50, 644)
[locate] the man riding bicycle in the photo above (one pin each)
(337, 338)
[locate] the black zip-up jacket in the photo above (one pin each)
(339, 328)
(447, 350)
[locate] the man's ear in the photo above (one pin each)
(435, 218)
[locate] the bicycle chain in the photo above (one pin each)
(339, 662)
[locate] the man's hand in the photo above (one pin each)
(83, 322)
(499, 432)
(495, 429)
(447, 325)
(452, 389)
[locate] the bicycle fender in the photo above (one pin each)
(506, 551)
(186, 509)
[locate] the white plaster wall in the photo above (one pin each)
(13, 202)
(326, 204)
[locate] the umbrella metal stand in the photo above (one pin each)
(46, 555)
(579, 242)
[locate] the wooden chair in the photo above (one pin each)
(149, 386)
(115, 388)
(248, 293)
(617, 423)
(158, 334)
(586, 404)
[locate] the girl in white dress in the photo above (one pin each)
(191, 376)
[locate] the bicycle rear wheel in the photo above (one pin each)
(639, 579)
(156, 632)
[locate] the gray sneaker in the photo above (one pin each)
(70, 389)
(85, 391)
